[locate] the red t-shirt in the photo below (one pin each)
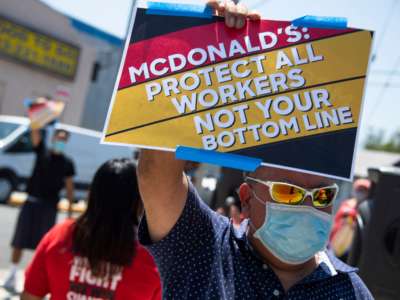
(56, 271)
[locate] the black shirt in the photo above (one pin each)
(49, 174)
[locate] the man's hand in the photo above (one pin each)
(235, 14)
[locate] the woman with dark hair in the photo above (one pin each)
(97, 256)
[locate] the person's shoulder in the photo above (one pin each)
(63, 229)
(60, 235)
(69, 165)
(143, 254)
(143, 263)
(68, 159)
(41, 146)
(360, 289)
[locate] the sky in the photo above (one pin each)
(381, 102)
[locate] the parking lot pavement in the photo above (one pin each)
(8, 218)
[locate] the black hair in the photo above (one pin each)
(105, 234)
(60, 130)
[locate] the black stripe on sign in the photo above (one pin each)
(150, 26)
(327, 153)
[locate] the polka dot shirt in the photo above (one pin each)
(204, 257)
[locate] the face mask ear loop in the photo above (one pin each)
(260, 201)
(257, 198)
(252, 226)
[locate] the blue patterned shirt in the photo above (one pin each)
(204, 257)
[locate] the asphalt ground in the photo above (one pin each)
(8, 219)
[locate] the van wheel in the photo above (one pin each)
(6, 188)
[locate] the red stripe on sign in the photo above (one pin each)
(173, 52)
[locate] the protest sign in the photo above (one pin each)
(44, 111)
(290, 96)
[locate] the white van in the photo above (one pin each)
(17, 156)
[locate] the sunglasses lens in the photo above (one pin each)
(286, 193)
(324, 197)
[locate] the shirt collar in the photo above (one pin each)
(340, 266)
(326, 264)
(329, 266)
(240, 233)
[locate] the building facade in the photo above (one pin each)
(43, 51)
(104, 73)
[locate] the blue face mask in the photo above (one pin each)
(294, 234)
(58, 146)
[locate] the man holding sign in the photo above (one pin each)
(264, 91)
(278, 252)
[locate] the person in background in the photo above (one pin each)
(221, 211)
(52, 172)
(97, 256)
(343, 230)
(234, 211)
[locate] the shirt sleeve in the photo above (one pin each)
(36, 279)
(196, 232)
(70, 168)
(360, 289)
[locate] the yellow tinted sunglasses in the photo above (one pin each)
(286, 193)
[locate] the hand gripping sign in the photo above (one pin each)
(43, 111)
(290, 96)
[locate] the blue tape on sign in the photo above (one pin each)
(178, 9)
(228, 160)
(321, 22)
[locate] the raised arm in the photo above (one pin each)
(162, 183)
(69, 187)
(36, 137)
(163, 187)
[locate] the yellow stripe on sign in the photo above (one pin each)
(334, 107)
(344, 57)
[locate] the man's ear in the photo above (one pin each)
(245, 196)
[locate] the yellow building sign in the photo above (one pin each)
(37, 49)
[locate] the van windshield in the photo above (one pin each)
(6, 129)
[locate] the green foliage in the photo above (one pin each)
(376, 141)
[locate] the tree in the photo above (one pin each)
(376, 141)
